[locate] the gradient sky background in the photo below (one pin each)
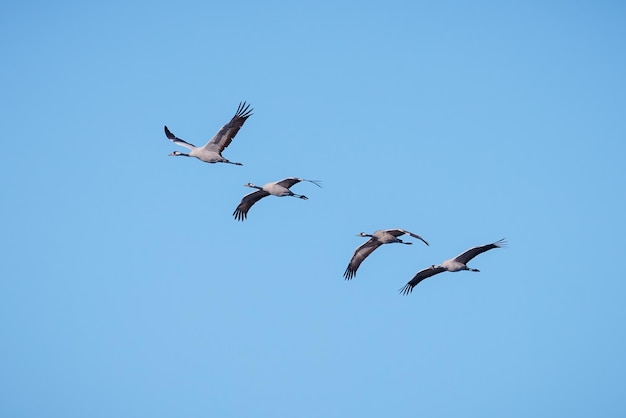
(128, 290)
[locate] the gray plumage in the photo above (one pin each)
(211, 152)
(277, 188)
(455, 264)
(378, 238)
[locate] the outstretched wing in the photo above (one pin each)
(290, 181)
(177, 140)
(398, 232)
(241, 212)
(473, 252)
(421, 275)
(225, 135)
(359, 255)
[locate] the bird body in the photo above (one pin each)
(277, 188)
(452, 265)
(378, 238)
(211, 152)
(384, 236)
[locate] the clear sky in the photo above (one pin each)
(127, 289)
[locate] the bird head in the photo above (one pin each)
(249, 185)
(363, 234)
(175, 153)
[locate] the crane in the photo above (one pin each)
(277, 188)
(378, 238)
(211, 152)
(455, 264)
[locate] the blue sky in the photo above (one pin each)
(127, 288)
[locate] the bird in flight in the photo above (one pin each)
(455, 264)
(211, 152)
(378, 238)
(276, 188)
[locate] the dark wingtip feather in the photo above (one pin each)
(240, 215)
(501, 243)
(244, 111)
(318, 183)
(168, 134)
(349, 273)
(406, 289)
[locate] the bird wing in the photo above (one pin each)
(177, 140)
(398, 232)
(359, 255)
(421, 275)
(225, 135)
(241, 212)
(290, 181)
(473, 252)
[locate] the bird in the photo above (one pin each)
(277, 188)
(455, 264)
(378, 238)
(211, 152)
